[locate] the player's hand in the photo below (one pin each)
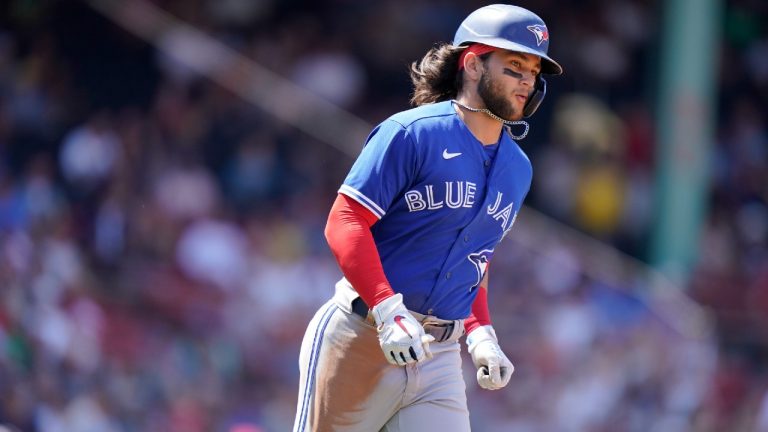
(401, 337)
(493, 367)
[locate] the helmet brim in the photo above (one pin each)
(548, 66)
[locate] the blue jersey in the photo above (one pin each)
(443, 204)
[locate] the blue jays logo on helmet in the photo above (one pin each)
(541, 33)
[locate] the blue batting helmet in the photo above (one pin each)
(508, 27)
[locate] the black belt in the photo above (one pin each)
(359, 307)
(440, 332)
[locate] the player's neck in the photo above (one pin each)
(486, 129)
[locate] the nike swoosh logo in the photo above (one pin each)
(398, 320)
(447, 155)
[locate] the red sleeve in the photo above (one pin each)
(480, 315)
(348, 232)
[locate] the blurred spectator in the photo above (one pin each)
(213, 252)
(332, 74)
(89, 153)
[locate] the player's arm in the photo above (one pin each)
(493, 367)
(348, 232)
(480, 315)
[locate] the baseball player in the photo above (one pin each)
(414, 227)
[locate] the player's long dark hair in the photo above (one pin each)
(436, 77)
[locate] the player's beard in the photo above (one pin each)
(493, 97)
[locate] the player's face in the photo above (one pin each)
(507, 81)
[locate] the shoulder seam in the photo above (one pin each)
(405, 126)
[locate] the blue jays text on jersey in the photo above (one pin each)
(442, 201)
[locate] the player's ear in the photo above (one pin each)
(473, 66)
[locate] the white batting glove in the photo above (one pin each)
(401, 337)
(493, 367)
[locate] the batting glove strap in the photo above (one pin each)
(480, 334)
(401, 337)
(388, 308)
(493, 367)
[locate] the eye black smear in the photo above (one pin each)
(510, 72)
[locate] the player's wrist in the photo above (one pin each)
(481, 334)
(388, 307)
(472, 323)
(381, 293)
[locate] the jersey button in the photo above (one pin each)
(466, 238)
(448, 275)
(429, 312)
(487, 163)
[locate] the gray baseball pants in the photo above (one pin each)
(347, 385)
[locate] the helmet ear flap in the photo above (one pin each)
(536, 97)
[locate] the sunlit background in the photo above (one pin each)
(166, 169)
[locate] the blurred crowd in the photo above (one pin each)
(161, 239)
